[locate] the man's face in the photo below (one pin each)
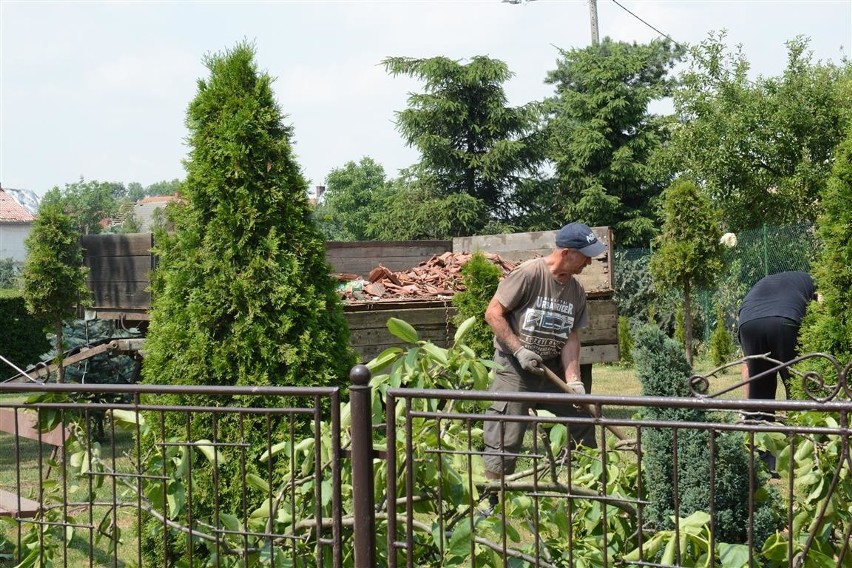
(573, 262)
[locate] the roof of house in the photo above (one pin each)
(158, 199)
(12, 211)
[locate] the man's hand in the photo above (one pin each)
(575, 387)
(529, 360)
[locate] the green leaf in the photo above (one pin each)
(733, 555)
(512, 533)
(439, 353)
(670, 552)
(262, 512)
(127, 416)
(460, 540)
(176, 497)
(696, 520)
(384, 359)
(230, 522)
(274, 450)
(210, 452)
(464, 328)
(402, 330)
(257, 482)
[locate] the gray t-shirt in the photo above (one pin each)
(542, 312)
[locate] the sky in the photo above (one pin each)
(99, 90)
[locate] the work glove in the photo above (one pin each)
(575, 387)
(529, 360)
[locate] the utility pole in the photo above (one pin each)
(593, 18)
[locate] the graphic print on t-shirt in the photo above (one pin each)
(546, 325)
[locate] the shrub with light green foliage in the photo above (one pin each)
(827, 327)
(242, 294)
(721, 344)
(54, 276)
(687, 256)
(625, 342)
(480, 277)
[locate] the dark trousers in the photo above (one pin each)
(504, 438)
(777, 337)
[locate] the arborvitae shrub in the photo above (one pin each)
(827, 327)
(663, 371)
(242, 294)
(721, 345)
(480, 278)
(625, 342)
(24, 340)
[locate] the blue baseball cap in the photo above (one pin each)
(579, 236)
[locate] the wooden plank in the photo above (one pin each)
(128, 295)
(598, 354)
(381, 336)
(9, 505)
(416, 317)
(128, 315)
(598, 335)
(130, 244)
(596, 278)
(368, 245)
(370, 336)
(118, 268)
(27, 427)
(363, 256)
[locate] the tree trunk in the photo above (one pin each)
(687, 323)
(60, 354)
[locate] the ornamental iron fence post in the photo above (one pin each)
(363, 500)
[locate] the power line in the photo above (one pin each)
(665, 35)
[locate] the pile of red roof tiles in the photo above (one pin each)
(436, 278)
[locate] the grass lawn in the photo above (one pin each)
(35, 462)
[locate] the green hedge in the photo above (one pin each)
(23, 340)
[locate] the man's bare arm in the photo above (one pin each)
(496, 317)
(571, 358)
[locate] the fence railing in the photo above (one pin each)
(297, 477)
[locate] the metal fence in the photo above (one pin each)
(395, 478)
(121, 483)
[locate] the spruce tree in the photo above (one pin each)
(242, 294)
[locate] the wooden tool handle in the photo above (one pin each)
(587, 407)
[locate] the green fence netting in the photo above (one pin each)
(757, 253)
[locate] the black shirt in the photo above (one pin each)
(785, 295)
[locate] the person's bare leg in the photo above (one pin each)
(744, 377)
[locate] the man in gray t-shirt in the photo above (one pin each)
(535, 315)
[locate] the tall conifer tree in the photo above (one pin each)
(54, 278)
(242, 294)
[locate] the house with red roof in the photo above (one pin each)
(145, 209)
(15, 226)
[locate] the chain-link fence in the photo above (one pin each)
(757, 253)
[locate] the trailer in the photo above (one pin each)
(119, 269)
